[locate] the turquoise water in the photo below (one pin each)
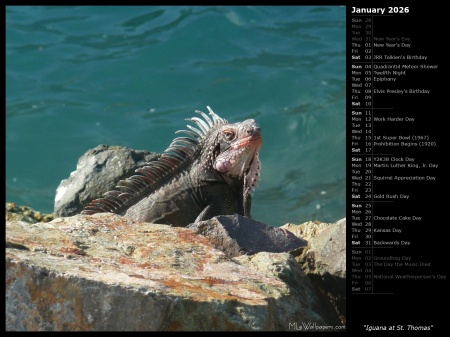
(77, 77)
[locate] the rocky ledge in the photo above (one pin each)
(107, 272)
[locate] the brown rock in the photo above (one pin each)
(106, 272)
(324, 259)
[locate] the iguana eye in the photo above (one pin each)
(229, 135)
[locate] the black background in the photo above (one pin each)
(412, 302)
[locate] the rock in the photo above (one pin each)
(237, 235)
(98, 171)
(25, 213)
(286, 268)
(107, 272)
(306, 230)
(324, 259)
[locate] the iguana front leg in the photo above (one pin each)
(222, 201)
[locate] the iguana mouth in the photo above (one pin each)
(254, 138)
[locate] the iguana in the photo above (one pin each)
(210, 172)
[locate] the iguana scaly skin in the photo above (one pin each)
(210, 172)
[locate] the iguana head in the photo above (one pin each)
(230, 149)
(237, 145)
(236, 152)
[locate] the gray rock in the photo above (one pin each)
(237, 235)
(324, 259)
(284, 267)
(98, 171)
(107, 272)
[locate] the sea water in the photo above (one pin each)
(77, 77)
